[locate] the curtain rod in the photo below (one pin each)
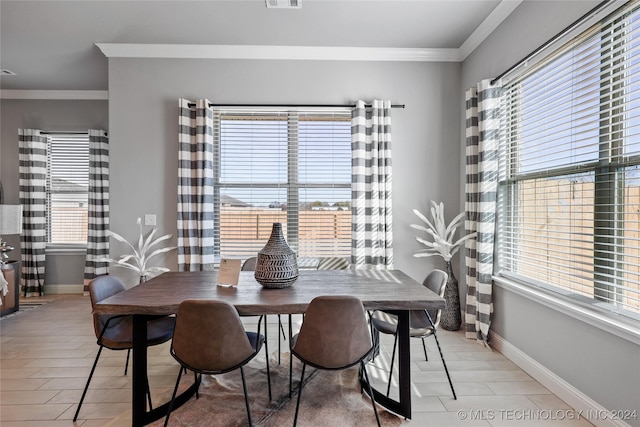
(295, 105)
(62, 132)
(553, 39)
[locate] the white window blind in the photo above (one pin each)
(569, 199)
(292, 167)
(67, 188)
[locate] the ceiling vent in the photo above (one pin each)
(5, 72)
(283, 4)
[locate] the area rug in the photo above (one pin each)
(329, 398)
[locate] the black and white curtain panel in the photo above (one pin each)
(97, 236)
(195, 186)
(372, 234)
(32, 146)
(483, 113)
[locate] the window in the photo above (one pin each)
(67, 188)
(287, 167)
(569, 185)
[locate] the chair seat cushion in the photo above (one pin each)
(119, 336)
(255, 340)
(387, 323)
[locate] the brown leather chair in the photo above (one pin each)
(209, 338)
(116, 332)
(325, 263)
(249, 264)
(334, 335)
(422, 323)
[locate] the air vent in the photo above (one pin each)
(4, 72)
(283, 4)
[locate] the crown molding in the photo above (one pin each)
(495, 18)
(78, 95)
(322, 53)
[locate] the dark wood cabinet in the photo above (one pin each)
(11, 301)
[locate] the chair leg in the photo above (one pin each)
(393, 358)
(195, 380)
(444, 364)
(149, 395)
(173, 398)
(295, 418)
(424, 347)
(375, 338)
(266, 353)
(279, 345)
(126, 364)
(246, 396)
(373, 402)
(284, 336)
(290, 359)
(86, 387)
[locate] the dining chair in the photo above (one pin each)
(333, 263)
(116, 332)
(422, 323)
(250, 265)
(334, 335)
(324, 263)
(209, 339)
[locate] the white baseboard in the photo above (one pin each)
(565, 391)
(63, 289)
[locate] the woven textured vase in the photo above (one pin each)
(277, 264)
(451, 318)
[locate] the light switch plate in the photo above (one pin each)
(149, 219)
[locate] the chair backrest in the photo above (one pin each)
(333, 263)
(334, 333)
(209, 336)
(436, 281)
(101, 288)
(249, 264)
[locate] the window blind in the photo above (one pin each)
(292, 167)
(569, 188)
(67, 188)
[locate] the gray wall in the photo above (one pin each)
(50, 115)
(142, 125)
(599, 364)
(143, 113)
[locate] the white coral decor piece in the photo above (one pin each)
(442, 234)
(139, 259)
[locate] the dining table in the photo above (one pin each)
(389, 290)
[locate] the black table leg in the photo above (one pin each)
(139, 414)
(139, 371)
(404, 363)
(402, 406)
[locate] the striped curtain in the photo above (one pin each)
(483, 113)
(33, 182)
(97, 237)
(195, 186)
(371, 213)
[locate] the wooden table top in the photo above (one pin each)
(391, 290)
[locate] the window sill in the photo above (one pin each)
(618, 325)
(59, 249)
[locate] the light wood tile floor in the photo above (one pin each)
(47, 353)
